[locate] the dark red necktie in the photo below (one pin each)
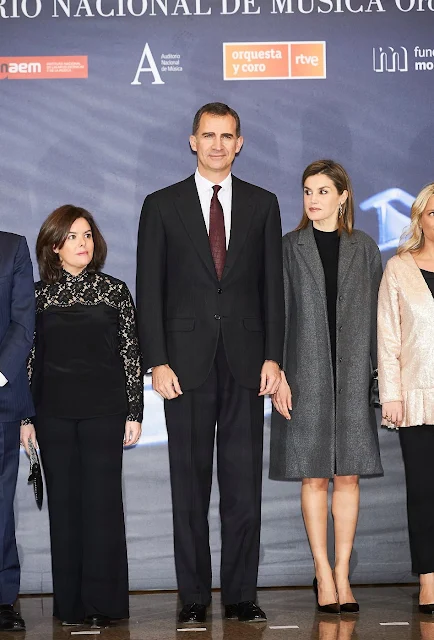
(217, 236)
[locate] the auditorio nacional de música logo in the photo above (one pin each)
(274, 60)
(43, 67)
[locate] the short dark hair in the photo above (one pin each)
(342, 182)
(217, 109)
(53, 233)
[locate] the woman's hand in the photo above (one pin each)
(28, 431)
(282, 399)
(133, 432)
(392, 412)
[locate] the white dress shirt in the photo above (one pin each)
(205, 191)
(3, 380)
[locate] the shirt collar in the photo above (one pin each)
(203, 184)
(71, 278)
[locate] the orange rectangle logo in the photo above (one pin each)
(43, 67)
(308, 60)
(255, 60)
(274, 60)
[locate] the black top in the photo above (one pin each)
(429, 279)
(328, 247)
(85, 360)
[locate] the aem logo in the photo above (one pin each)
(19, 67)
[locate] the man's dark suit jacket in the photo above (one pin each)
(182, 305)
(17, 322)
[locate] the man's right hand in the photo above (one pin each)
(165, 382)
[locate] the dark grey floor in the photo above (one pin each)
(153, 616)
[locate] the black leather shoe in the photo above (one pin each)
(245, 612)
(350, 607)
(192, 614)
(332, 608)
(10, 620)
(97, 621)
(427, 608)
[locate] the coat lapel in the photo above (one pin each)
(347, 251)
(310, 253)
(241, 219)
(188, 206)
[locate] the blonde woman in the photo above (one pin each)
(406, 378)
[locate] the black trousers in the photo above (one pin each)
(82, 462)
(417, 444)
(191, 424)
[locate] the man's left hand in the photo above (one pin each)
(270, 378)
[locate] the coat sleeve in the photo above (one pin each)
(151, 274)
(288, 300)
(377, 272)
(18, 339)
(389, 338)
(130, 353)
(274, 314)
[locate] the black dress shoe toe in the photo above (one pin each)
(69, 623)
(246, 611)
(10, 620)
(192, 614)
(350, 607)
(427, 608)
(97, 621)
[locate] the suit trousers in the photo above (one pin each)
(9, 563)
(82, 462)
(417, 444)
(191, 424)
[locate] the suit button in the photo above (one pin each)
(217, 317)
(219, 291)
(340, 328)
(340, 390)
(340, 359)
(341, 297)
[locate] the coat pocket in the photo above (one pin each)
(180, 324)
(253, 324)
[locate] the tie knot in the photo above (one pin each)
(216, 189)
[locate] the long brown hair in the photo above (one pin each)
(53, 234)
(342, 182)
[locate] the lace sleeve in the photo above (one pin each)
(130, 353)
(30, 365)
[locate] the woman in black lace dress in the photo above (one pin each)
(87, 384)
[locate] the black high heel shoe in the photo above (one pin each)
(333, 608)
(350, 607)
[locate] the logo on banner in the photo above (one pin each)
(393, 59)
(169, 63)
(274, 60)
(389, 59)
(43, 67)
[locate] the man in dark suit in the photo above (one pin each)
(17, 320)
(211, 324)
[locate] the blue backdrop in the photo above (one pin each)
(96, 111)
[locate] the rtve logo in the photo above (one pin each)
(389, 59)
(274, 60)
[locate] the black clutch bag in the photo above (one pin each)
(35, 476)
(374, 394)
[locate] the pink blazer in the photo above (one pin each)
(406, 340)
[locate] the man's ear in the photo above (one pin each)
(240, 142)
(193, 144)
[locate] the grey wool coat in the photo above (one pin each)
(331, 431)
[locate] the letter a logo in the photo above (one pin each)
(152, 67)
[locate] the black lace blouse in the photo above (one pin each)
(85, 360)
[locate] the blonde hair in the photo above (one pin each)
(342, 182)
(412, 238)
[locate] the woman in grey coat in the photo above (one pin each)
(324, 427)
